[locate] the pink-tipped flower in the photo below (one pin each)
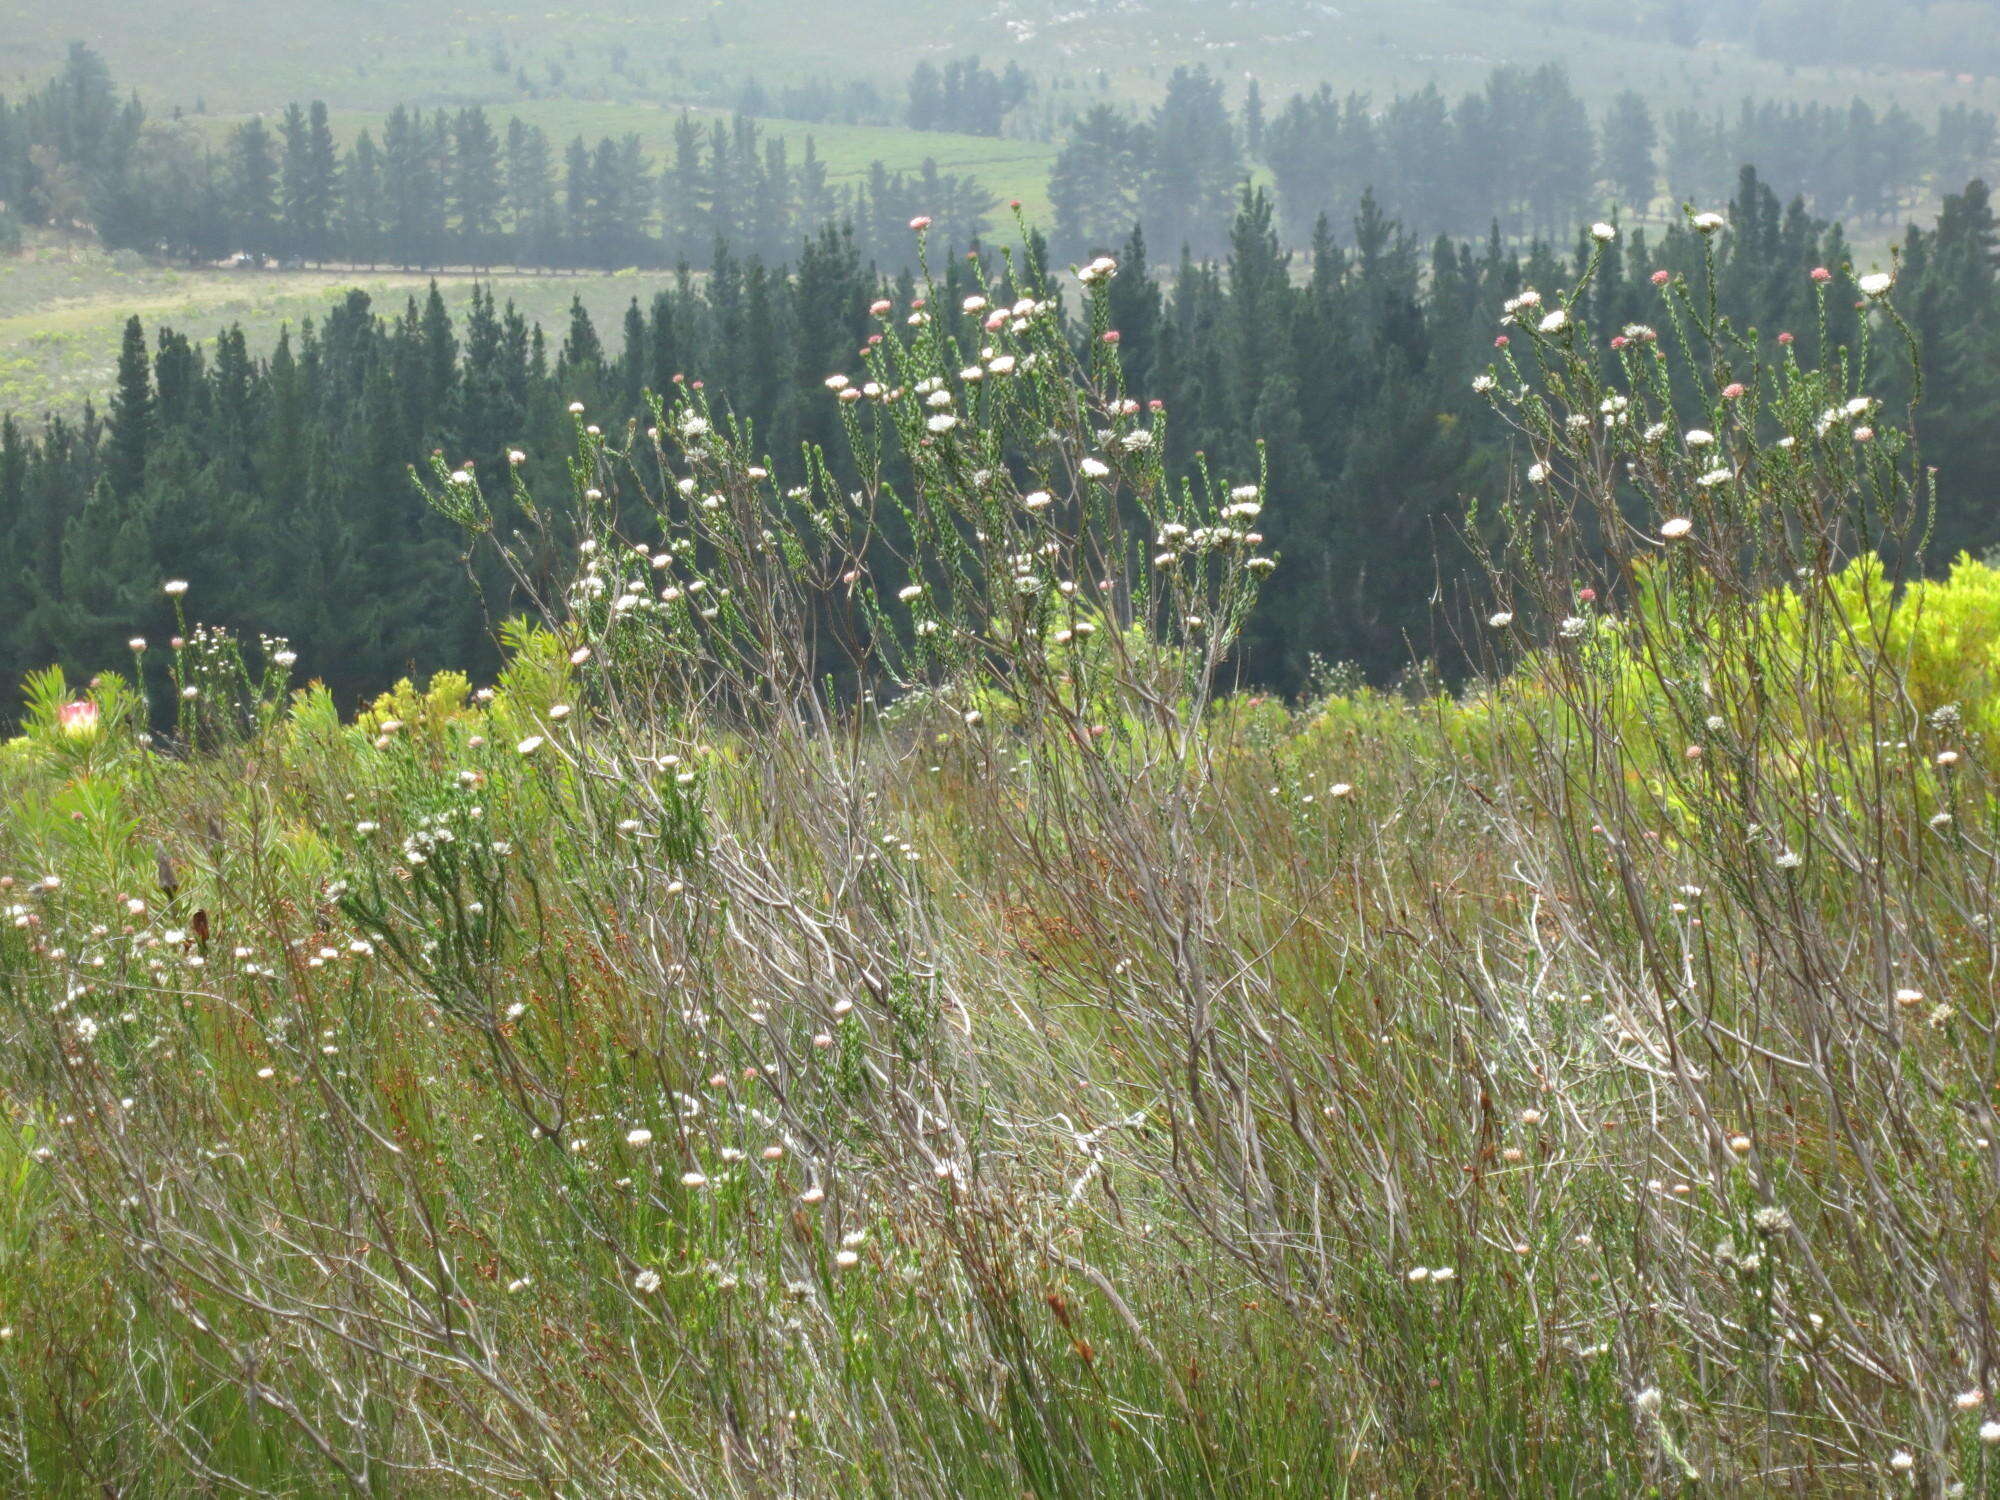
(1111, 337)
(920, 223)
(1500, 342)
(1732, 391)
(1785, 339)
(881, 307)
(78, 720)
(1661, 278)
(1821, 274)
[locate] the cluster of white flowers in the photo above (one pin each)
(1525, 302)
(1834, 416)
(1101, 269)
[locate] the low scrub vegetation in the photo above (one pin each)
(858, 1006)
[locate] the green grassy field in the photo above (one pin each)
(62, 305)
(1009, 168)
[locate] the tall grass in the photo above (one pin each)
(861, 1007)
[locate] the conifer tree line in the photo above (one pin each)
(1523, 153)
(278, 483)
(965, 97)
(447, 187)
(458, 188)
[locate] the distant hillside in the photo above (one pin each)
(235, 55)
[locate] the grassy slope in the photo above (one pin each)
(62, 305)
(1008, 168)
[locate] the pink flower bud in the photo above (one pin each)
(1661, 278)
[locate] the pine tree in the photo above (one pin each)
(409, 188)
(1093, 185)
(253, 188)
(1193, 168)
(307, 194)
(477, 192)
(132, 416)
(1626, 165)
(363, 202)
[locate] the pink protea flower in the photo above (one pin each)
(1111, 337)
(880, 307)
(920, 223)
(1618, 341)
(1821, 274)
(78, 720)
(1500, 342)
(1732, 391)
(1661, 278)
(1785, 339)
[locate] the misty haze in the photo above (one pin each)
(1072, 748)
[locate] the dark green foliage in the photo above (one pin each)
(280, 488)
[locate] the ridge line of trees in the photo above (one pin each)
(443, 188)
(278, 483)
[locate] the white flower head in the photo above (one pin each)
(1876, 284)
